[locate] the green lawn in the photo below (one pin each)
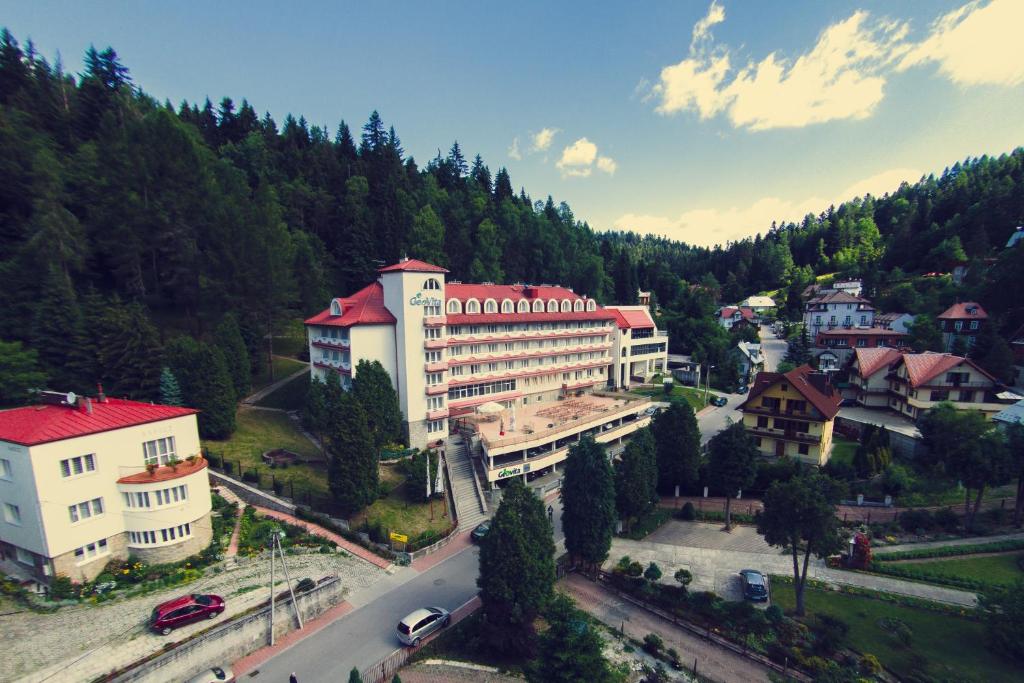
(842, 451)
(694, 397)
(943, 645)
(261, 430)
(290, 338)
(282, 368)
(1001, 569)
(396, 513)
(290, 396)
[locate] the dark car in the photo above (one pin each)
(742, 390)
(480, 531)
(718, 401)
(755, 587)
(170, 615)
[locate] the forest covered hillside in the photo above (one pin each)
(124, 220)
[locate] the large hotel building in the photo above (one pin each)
(522, 361)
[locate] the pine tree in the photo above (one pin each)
(677, 446)
(170, 392)
(426, 239)
(636, 477)
(732, 464)
(354, 677)
(571, 650)
(205, 383)
(20, 374)
(372, 389)
(56, 335)
(352, 468)
(588, 503)
(517, 570)
(228, 338)
(127, 349)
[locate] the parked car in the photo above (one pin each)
(718, 401)
(755, 586)
(743, 389)
(480, 531)
(216, 674)
(178, 612)
(421, 623)
(653, 410)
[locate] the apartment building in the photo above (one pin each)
(837, 309)
(791, 414)
(868, 376)
(451, 347)
(86, 480)
(834, 347)
(962, 320)
(918, 381)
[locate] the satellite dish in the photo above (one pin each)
(71, 398)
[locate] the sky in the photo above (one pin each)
(701, 121)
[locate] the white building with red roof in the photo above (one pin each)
(451, 346)
(837, 309)
(729, 316)
(86, 480)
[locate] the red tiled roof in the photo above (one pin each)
(922, 367)
(728, 311)
(632, 318)
(809, 384)
(365, 307)
(165, 473)
(870, 361)
(488, 318)
(960, 312)
(464, 292)
(412, 265)
(38, 424)
(839, 298)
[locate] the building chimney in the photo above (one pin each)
(88, 405)
(100, 396)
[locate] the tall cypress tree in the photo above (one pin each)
(352, 468)
(372, 389)
(636, 476)
(677, 445)
(733, 463)
(228, 338)
(588, 503)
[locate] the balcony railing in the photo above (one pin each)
(497, 356)
(435, 344)
(331, 342)
(334, 365)
(438, 414)
(437, 366)
(467, 338)
(780, 412)
(433, 320)
(786, 434)
(532, 371)
(437, 389)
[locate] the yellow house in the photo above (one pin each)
(791, 414)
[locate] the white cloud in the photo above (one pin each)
(513, 150)
(710, 226)
(579, 159)
(976, 44)
(607, 164)
(715, 15)
(542, 139)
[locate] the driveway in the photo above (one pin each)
(715, 558)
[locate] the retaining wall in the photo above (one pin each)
(251, 494)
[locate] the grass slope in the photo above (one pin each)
(289, 396)
(692, 396)
(1001, 569)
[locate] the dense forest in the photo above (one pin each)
(125, 221)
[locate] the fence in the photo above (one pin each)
(385, 669)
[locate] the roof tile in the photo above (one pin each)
(32, 425)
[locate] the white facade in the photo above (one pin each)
(71, 505)
(837, 310)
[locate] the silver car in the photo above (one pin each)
(421, 623)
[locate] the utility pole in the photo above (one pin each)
(276, 548)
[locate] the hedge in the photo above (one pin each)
(951, 551)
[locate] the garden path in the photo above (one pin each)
(271, 388)
(972, 540)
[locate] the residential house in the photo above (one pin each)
(792, 414)
(749, 358)
(897, 322)
(837, 309)
(758, 304)
(833, 348)
(919, 381)
(1010, 415)
(868, 376)
(961, 321)
(83, 481)
(730, 316)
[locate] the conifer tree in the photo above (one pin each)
(636, 477)
(571, 650)
(228, 337)
(588, 503)
(677, 446)
(128, 347)
(20, 374)
(205, 383)
(372, 389)
(352, 468)
(170, 391)
(426, 239)
(732, 464)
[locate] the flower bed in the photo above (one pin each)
(255, 532)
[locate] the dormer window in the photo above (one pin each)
(431, 283)
(523, 306)
(472, 306)
(552, 306)
(506, 306)
(538, 306)
(591, 305)
(566, 306)
(335, 307)
(490, 306)
(454, 306)
(577, 305)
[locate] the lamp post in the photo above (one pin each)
(707, 383)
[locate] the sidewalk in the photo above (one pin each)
(975, 540)
(271, 388)
(349, 547)
(713, 662)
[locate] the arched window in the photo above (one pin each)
(431, 283)
(523, 306)
(552, 306)
(335, 307)
(472, 306)
(506, 306)
(566, 306)
(538, 306)
(591, 305)
(454, 306)
(577, 305)
(490, 306)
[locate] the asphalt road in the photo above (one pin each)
(366, 635)
(773, 347)
(714, 419)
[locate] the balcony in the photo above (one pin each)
(438, 414)
(437, 389)
(435, 344)
(160, 474)
(787, 435)
(532, 371)
(467, 338)
(780, 412)
(434, 320)
(498, 356)
(438, 366)
(340, 366)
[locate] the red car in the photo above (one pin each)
(184, 610)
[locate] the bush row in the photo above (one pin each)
(915, 573)
(951, 551)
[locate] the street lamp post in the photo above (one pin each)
(707, 383)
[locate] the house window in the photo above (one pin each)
(863, 320)
(159, 451)
(90, 508)
(12, 514)
(24, 556)
(804, 449)
(757, 440)
(770, 403)
(435, 426)
(5, 469)
(966, 396)
(762, 421)
(861, 343)
(958, 325)
(74, 466)
(974, 324)
(90, 551)
(939, 395)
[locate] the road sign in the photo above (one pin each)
(401, 538)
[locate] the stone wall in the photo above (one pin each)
(202, 534)
(66, 565)
(251, 494)
(233, 640)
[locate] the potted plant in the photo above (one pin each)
(174, 462)
(191, 460)
(151, 468)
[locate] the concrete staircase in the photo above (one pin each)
(464, 489)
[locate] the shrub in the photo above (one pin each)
(683, 577)
(829, 633)
(896, 479)
(227, 467)
(635, 570)
(869, 665)
(912, 520)
(688, 513)
(61, 588)
(653, 644)
(774, 614)
(652, 573)
(946, 519)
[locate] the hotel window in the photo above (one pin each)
(506, 306)
(12, 514)
(77, 465)
(431, 283)
(490, 306)
(435, 403)
(472, 306)
(433, 356)
(159, 451)
(432, 310)
(435, 426)
(435, 332)
(90, 508)
(433, 378)
(453, 306)
(456, 371)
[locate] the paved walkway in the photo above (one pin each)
(713, 662)
(973, 540)
(438, 672)
(350, 547)
(274, 386)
